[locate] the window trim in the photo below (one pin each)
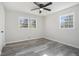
(67, 15)
(21, 18)
(30, 19)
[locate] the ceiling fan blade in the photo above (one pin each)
(48, 4)
(40, 11)
(47, 9)
(34, 9)
(36, 4)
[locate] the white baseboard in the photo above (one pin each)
(65, 43)
(23, 40)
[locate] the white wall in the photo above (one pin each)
(15, 34)
(66, 36)
(2, 26)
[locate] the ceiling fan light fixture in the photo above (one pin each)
(41, 9)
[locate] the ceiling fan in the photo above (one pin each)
(42, 6)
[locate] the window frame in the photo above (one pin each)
(72, 20)
(30, 20)
(19, 24)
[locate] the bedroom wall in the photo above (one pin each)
(2, 26)
(66, 36)
(15, 34)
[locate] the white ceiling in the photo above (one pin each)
(27, 6)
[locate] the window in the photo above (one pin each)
(27, 22)
(23, 22)
(32, 23)
(67, 21)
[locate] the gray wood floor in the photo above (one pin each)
(39, 47)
